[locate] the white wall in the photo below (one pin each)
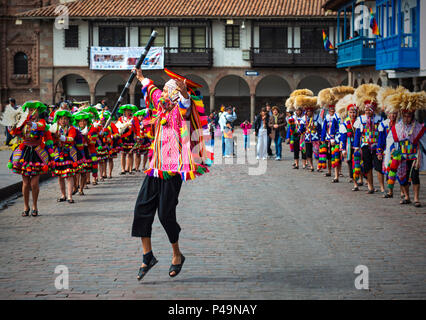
(229, 57)
(71, 56)
(73, 88)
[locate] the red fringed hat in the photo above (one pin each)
(189, 83)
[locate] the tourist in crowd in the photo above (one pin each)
(262, 131)
(246, 126)
(269, 111)
(230, 116)
(310, 128)
(12, 104)
(277, 123)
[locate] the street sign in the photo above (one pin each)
(252, 73)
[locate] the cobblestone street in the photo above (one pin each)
(285, 234)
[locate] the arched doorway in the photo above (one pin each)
(72, 87)
(272, 89)
(234, 91)
(109, 88)
(314, 83)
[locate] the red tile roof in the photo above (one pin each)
(185, 8)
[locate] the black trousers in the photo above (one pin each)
(160, 194)
(309, 150)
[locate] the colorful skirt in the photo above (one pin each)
(116, 148)
(30, 161)
(128, 143)
(143, 149)
(68, 163)
(88, 163)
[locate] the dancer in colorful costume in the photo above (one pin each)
(94, 131)
(329, 133)
(83, 121)
(384, 128)
(402, 144)
(181, 151)
(310, 127)
(348, 112)
(293, 134)
(367, 131)
(30, 159)
(112, 138)
(129, 129)
(67, 161)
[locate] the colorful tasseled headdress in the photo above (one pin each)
(344, 104)
(366, 97)
(62, 113)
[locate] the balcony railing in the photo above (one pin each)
(398, 52)
(360, 51)
(261, 57)
(188, 57)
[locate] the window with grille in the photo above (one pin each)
(192, 39)
(71, 37)
(112, 36)
(232, 35)
(20, 63)
(145, 34)
(273, 37)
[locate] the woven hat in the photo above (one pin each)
(342, 91)
(386, 92)
(80, 116)
(344, 104)
(289, 104)
(366, 96)
(406, 102)
(305, 103)
(326, 98)
(302, 92)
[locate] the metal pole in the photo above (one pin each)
(132, 76)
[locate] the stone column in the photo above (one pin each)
(416, 84)
(46, 63)
(211, 103)
(384, 77)
(252, 106)
(92, 97)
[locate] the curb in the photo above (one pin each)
(12, 189)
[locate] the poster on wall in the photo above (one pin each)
(125, 58)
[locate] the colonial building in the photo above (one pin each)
(244, 52)
(397, 55)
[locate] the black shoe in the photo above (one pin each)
(144, 270)
(176, 267)
(34, 213)
(25, 213)
(61, 199)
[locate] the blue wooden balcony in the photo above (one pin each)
(398, 52)
(360, 51)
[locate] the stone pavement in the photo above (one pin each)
(286, 234)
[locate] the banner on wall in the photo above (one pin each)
(125, 58)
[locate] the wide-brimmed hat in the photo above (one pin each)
(34, 105)
(62, 113)
(305, 103)
(345, 104)
(130, 107)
